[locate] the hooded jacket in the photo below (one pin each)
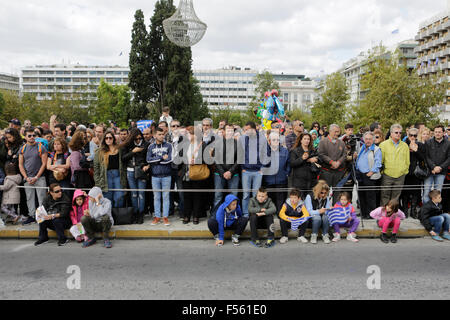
(11, 194)
(226, 218)
(97, 211)
(74, 215)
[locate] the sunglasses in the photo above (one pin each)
(57, 191)
(413, 135)
(396, 132)
(31, 136)
(323, 192)
(109, 138)
(377, 137)
(175, 126)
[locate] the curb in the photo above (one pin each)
(19, 233)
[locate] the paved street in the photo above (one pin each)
(170, 269)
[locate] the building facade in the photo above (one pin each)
(9, 82)
(72, 81)
(433, 54)
(234, 87)
(297, 91)
(229, 87)
(353, 69)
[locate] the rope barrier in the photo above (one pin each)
(270, 190)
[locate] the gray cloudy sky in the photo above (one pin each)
(291, 36)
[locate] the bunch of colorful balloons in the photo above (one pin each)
(270, 110)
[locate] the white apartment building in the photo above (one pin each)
(231, 87)
(9, 82)
(72, 81)
(434, 54)
(234, 87)
(354, 68)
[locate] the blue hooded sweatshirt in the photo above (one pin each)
(226, 219)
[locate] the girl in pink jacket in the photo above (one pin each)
(80, 203)
(387, 217)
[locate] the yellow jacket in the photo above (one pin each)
(395, 159)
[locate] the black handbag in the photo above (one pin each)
(123, 216)
(421, 172)
(139, 173)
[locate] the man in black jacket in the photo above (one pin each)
(438, 160)
(226, 172)
(434, 219)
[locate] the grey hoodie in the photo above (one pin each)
(97, 211)
(11, 194)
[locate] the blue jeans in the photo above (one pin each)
(221, 183)
(161, 183)
(137, 197)
(440, 222)
(251, 182)
(435, 179)
(318, 221)
(116, 197)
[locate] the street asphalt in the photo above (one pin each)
(197, 270)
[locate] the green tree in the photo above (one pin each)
(393, 94)
(139, 76)
(172, 82)
(331, 107)
(2, 105)
(113, 104)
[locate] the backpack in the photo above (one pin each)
(22, 150)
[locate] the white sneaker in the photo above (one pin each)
(302, 239)
(284, 240)
(351, 237)
(336, 237)
(314, 238)
(326, 238)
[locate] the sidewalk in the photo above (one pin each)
(410, 228)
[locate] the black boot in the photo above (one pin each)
(384, 238)
(139, 218)
(394, 238)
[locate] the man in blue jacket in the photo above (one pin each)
(276, 173)
(228, 217)
(159, 156)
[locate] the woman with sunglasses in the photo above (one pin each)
(417, 156)
(109, 171)
(57, 206)
(318, 203)
(134, 159)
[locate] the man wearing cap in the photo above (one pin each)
(15, 123)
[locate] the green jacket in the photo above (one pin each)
(100, 172)
(254, 207)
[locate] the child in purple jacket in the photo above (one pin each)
(352, 221)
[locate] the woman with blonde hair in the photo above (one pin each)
(109, 171)
(424, 135)
(317, 203)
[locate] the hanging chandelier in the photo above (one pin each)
(184, 28)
